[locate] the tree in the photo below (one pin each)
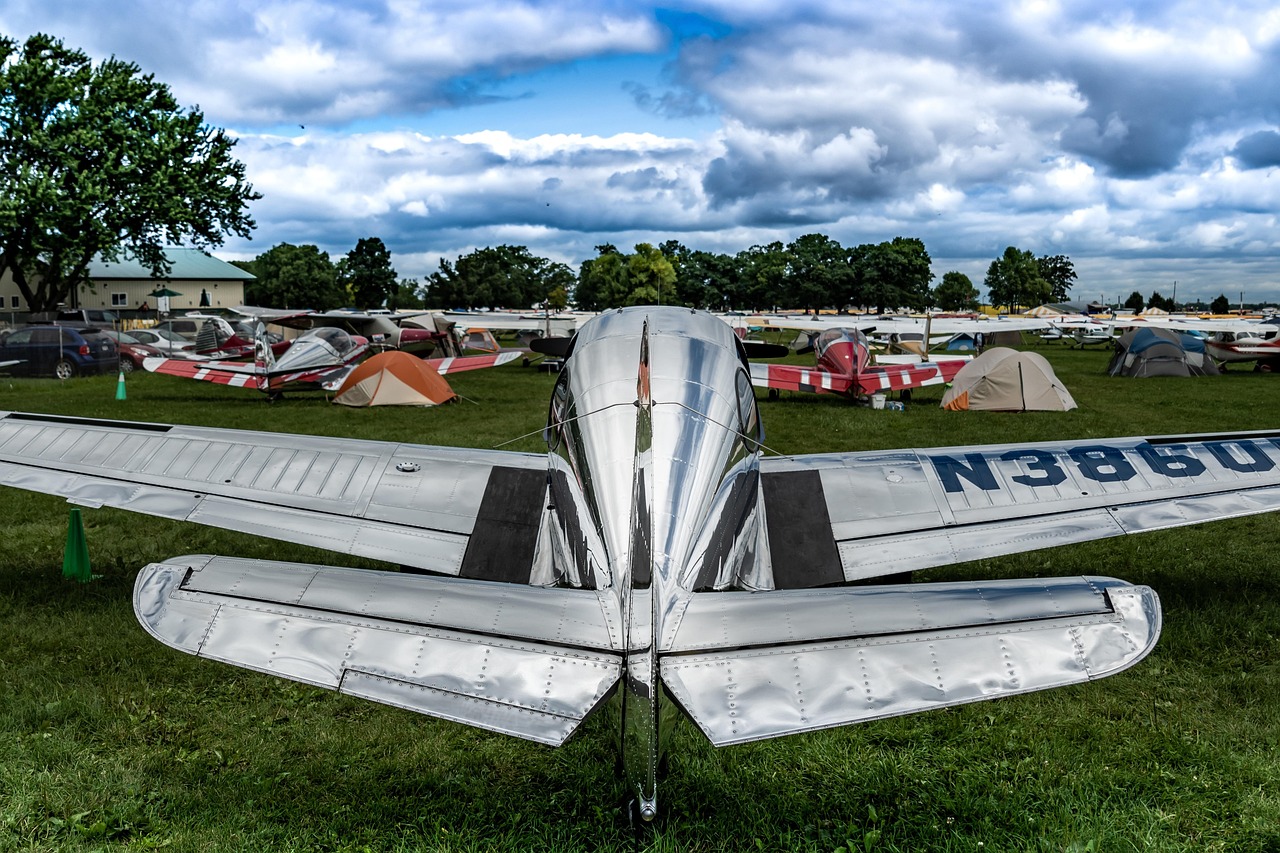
(101, 162)
(495, 277)
(1158, 301)
(650, 276)
(1014, 280)
(1221, 305)
(894, 274)
(1135, 302)
(408, 295)
(955, 293)
(819, 274)
(290, 276)
(602, 281)
(1060, 274)
(761, 272)
(366, 274)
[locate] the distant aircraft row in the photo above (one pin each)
(333, 342)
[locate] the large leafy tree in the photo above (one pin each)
(1220, 305)
(408, 295)
(703, 279)
(762, 271)
(819, 275)
(290, 276)
(1059, 273)
(602, 280)
(893, 274)
(98, 162)
(955, 293)
(1135, 302)
(495, 277)
(650, 276)
(367, 275)
(1014, 280)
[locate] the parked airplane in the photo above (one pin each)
(844, 367)
(419, 333)
(319, 359)
(653, 553)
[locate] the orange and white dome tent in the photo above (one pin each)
(394, 378)
(1005, 380)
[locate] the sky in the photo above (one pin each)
(1140, 139)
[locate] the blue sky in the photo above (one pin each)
(1140, 139)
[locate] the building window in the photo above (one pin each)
(119, 300)
(15, 301)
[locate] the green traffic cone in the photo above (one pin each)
(120, 395)
(75, 560)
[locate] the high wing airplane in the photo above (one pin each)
(318, 359)
(652, 553)
(844, 367)
(420, 333)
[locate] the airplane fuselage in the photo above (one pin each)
(654, 434)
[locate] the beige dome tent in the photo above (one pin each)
(1005, 380)
(394, 378)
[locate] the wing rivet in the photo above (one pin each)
(408, 467)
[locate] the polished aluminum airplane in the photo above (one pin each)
(654, 554)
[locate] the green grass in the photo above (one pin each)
(109, 740)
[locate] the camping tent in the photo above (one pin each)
(1160, 352)
(1005, 380)
(394, 378)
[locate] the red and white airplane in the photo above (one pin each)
(844, 367)
(318, 359)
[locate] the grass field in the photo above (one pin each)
(109, 740)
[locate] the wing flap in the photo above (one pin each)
(532, 664)
(746, 694)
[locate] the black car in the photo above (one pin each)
(59, 351)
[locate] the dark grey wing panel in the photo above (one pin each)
(896, 511)
(518, 660)
(409, 504)
(748, 666)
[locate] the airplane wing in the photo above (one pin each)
(460, 647)
(871, 380)
(789, 377)
(471, 362)
(237, 373)
(411, 505)
(849, 516)
(898, 377)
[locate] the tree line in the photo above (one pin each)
(812, 272)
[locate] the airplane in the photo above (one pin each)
(406, 332)
(320, 358)
(844, 367)
(317, 359)
(653, 554)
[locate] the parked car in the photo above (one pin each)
(169, 343)
(187, 328)
(59, 351)
(132, 350)
(94, 318)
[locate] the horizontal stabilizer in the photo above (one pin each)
(793, 661)
(532, 665)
